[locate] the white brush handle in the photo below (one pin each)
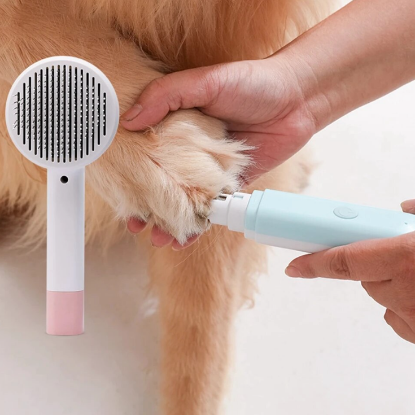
(65, 251)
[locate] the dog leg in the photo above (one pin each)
(200, 289)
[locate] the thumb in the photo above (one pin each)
(186, 89)
(372, 260)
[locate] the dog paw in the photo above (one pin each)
(169, 175)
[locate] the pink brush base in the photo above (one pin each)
(64, 313)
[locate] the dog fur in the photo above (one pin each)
(166, 175)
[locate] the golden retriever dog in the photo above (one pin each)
(167, 175)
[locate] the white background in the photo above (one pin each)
(308, 347)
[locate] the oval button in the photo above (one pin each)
(345, 212)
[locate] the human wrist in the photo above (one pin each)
(344, 63)
(308, 95)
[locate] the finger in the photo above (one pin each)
(135, 225)
(400, 327)
(177, 246)
(186, 89)
(160, 238)
(408, 206)
(374, 260)
(382, 292)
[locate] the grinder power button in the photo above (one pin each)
(345, 212)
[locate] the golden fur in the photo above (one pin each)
(167, 175)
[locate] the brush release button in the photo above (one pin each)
(345, 212)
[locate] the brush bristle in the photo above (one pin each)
(60, 113)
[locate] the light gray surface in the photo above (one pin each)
(109, 370)
(322, 347)
(308, 347)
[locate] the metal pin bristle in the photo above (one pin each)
(60, 113)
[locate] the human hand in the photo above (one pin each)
(260, 101)
(386, 268)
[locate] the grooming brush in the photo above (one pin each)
(305, 223)
(62, 114)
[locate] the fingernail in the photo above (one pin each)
(408, 206)
(135, 225)
(293, 272)
(178, 247)
(132, 113)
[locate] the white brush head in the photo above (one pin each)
(62, 112)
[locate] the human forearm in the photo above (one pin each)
(357, 55)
